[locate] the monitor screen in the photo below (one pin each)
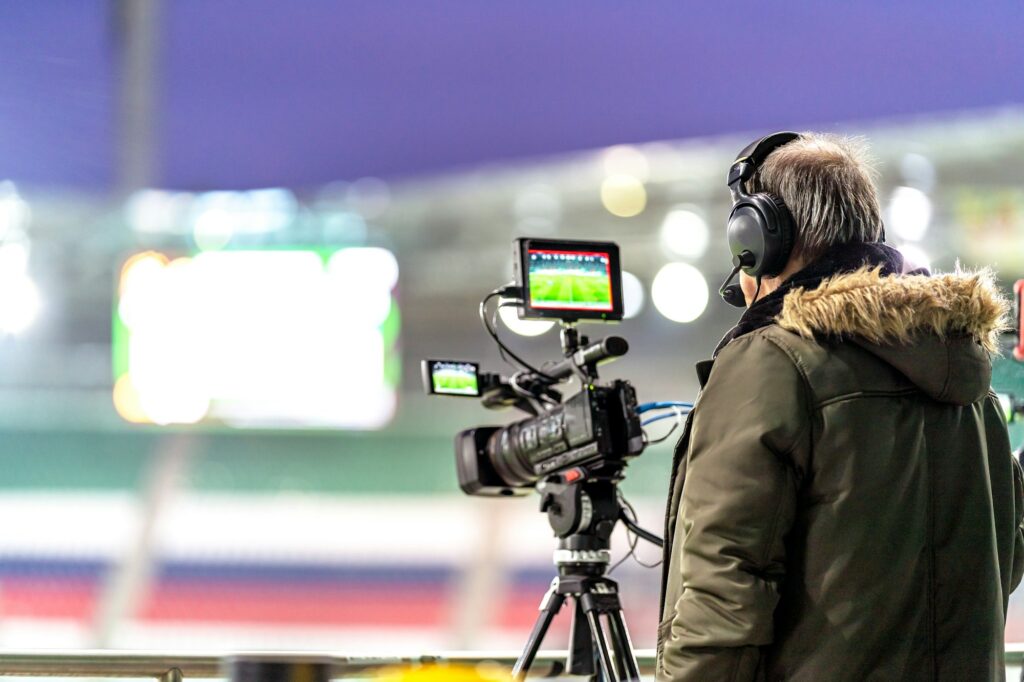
(453, 377)
(570, 280)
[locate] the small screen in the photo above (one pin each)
(454, 378)
(570, 280)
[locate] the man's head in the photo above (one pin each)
(827, 182)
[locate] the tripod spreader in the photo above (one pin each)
(605, 641)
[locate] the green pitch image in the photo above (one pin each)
(570, 290)
(453, 381)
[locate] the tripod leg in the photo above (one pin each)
(628, 668)
(549, 606)
(581, 645)
(603, 647)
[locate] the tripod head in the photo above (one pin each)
(582, 508)
(579, 504)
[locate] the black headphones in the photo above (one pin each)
(760, 227)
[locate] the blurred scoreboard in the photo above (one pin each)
(298, 338)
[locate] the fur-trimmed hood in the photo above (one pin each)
(939, 331)
(892, 310)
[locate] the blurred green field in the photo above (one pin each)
(570, 290)
(454, 381)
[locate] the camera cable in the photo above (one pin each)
(661, 405)
(491, 328)
(677, 413)
(634, 532)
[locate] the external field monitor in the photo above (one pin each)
(569, 280)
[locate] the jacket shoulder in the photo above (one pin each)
(832, 369)
(772, 342)
(763, 356)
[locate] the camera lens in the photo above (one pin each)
(509, 449)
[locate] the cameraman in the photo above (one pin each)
(844, 504)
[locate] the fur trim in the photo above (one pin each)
(889, 310)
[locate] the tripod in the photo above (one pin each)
(583, 514)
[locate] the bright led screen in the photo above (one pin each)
(268, 338)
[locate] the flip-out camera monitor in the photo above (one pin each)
(451, 377)
(569, 280)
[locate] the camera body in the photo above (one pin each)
(598, 426)
(594, 431)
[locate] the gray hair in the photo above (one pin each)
(828, 183)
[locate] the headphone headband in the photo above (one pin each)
(754, 154)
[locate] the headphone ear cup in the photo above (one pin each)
(746, 235)
(761, 225)
(780, 229)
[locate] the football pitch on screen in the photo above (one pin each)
(570, 290)
(450, 381)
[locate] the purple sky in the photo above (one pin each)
(263, 92)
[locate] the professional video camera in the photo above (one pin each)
(573, 451)
(596, 428)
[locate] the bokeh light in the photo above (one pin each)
(685, 232)
(680, 292)
(623, 195)
(632, 295)
(910, 212)
(20, 303)
(510, 318)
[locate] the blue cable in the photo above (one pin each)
(669, 415)
(644, 407)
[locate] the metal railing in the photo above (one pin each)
(175, 667)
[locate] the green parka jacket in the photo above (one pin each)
(845, 505)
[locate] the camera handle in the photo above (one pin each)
(572, 343)
(583, 511)
(582, 357)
